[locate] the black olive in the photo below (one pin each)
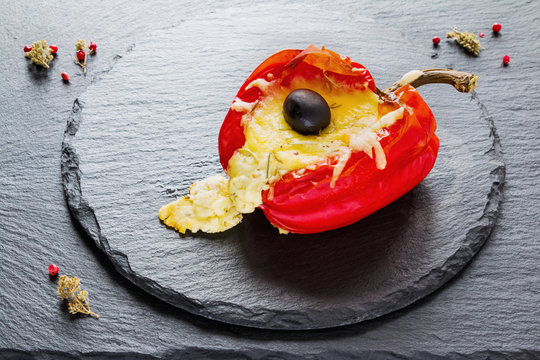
(306, 111)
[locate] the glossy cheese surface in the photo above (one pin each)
(353, 111)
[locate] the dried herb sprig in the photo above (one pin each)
(40, 54)
(69, 288)
(330, 80)
(81, 57)
(82, 53)
(466, 39)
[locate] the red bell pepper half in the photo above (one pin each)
(305, 201)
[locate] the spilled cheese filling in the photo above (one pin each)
(208, 207)
(273, 148)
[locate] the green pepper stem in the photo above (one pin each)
(462, 81)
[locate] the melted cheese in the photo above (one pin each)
(267, 131)
(367, 141)
(343, 157)
(242, 106)
(354, 125)
(387, 119)
(208, 207)
(259, 83)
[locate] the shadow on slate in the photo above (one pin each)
(317, 266)
(140, 145)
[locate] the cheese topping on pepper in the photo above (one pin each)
(273, 148)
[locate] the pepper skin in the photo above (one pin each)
(304, 201)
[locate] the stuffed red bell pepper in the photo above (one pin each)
(311, 141)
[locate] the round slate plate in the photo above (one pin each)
(148, 129)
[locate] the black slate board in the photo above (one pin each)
(148, 129)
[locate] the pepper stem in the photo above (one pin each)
(462, 81)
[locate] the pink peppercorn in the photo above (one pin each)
(81, 55)
(53, 269)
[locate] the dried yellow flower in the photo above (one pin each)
(80, 44)
(467, 40)
(69, 288)
(40, 54)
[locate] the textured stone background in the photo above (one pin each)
(490, 310)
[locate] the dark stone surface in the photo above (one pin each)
(490, 310)
(125, 158)
(196, 353)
